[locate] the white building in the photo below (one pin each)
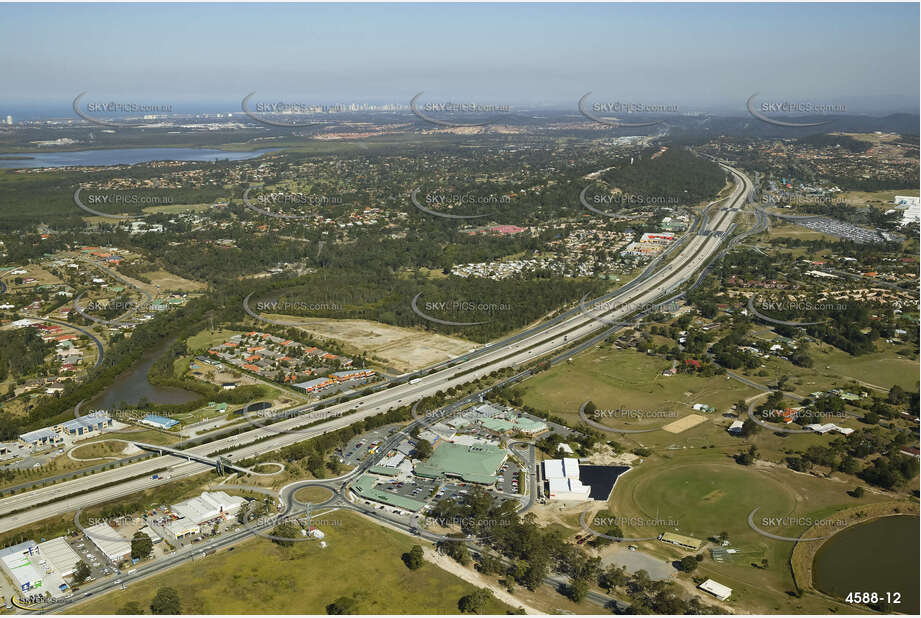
(830, 427)
(20, 563)
(717, 589)
(566, 468)
(569, 490)
(60, 556)
(115, 547)
(183, 527)
(912, 213)
(156, 538)
(736, 427)
(208, 506)
(563, 479)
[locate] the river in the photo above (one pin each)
(120, 156)
(131, 387)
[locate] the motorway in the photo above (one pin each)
(695, 253)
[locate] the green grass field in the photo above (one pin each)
(835, 368)
(312, 494)
(361, 560)
(207, 339)
(102, 448)
(704, 493)
(613, 378)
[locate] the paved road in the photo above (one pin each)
(71, 495)
(100, 350)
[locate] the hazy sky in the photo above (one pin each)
(864, 55)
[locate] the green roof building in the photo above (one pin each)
(477, 463)
(383, 470)
(365, 488)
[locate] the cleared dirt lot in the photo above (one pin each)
(691, 420)
(169, 281)
(402, 349)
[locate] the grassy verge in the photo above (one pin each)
(361, 560)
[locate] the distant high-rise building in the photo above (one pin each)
(9, 120)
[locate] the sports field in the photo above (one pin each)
(361, 560)
(702, 493)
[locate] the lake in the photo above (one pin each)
(121, 156)
(878, 556)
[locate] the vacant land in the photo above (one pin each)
(403, 349)
(177, 208)
(882, 369)
(361, 560)
(791, 230)
(207, 339)
(168, 281)
(879, 199)
(613, 378)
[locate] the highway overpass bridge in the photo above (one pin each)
(220, 463)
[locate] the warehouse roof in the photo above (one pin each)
(209, 505)
(59, 553)
(39, 434)
(160, 421)
(22, 564)
(566, 468)
(156, 538)
(106, 538)
(87, 421)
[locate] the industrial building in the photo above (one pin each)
(209, 506)
(88, 424)
(41, 437)
(563, 480)
(160, 422)
(566, 468)
(183, 527)
(106, 538)
(20, 563)
(156, 538)
(33, 571)
(912, 205)
(61, 557)
(85, 426)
